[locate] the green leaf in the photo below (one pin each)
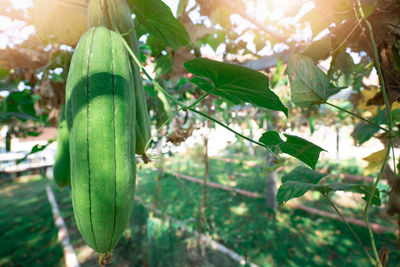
(270, 138)
(297, 182)
(156, 18)
(292, 189)
(163, 64)
(301, 149)
(396, 115)
(312, 124)
(20, 104)
(236, 83)
(36, 148)
(318, 50)
(162, 109)
(384, 190)
(202, 83)
(364, 132)
(30, 133)
(302, 179)
(156, 45)
(277, 76)
(308, 83)
(334, 90)
(341, 72)
(304, 174)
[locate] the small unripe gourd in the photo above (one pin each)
(61, 167)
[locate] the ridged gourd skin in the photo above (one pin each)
(143, 131)
(120, 11)
(61, 167)
(101, 122)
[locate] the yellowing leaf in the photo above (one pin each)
(65, 21)
(375, 161)
(366, 94)
(395, 105)
(372, 168)
(376, 157)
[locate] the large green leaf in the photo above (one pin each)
(297, 182)
(20, 102)
(295, 146)
(365, 131)
(301, 180)
(301, 149)
(271, 138)
(156, 18)
(294, 189)
(235, 83)
(156, 45)
(309, 84)
(306, 174)
(341, 72)
(318, 50)
(163, 64)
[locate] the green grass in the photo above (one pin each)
(28, 236)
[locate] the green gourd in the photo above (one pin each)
(100, 116)
(61, 167)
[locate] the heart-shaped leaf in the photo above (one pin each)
(235, 83)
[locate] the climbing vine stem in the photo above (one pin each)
(359, 11)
